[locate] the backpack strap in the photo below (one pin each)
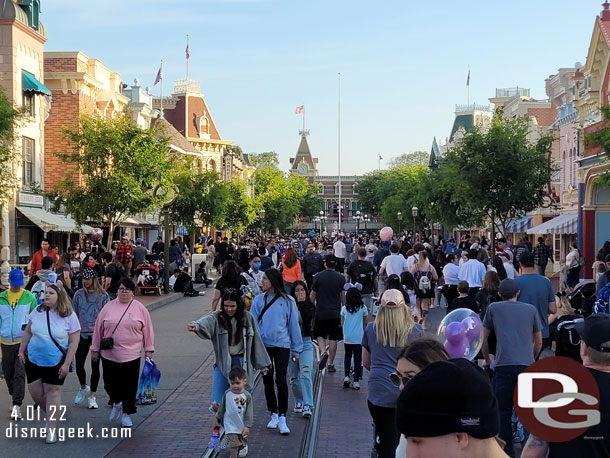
(266, 307)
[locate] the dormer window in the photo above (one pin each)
(204, 126)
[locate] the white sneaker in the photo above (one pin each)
(93, 403)
(117, 410)
(356, 385)
(307, 413)
(283, 426)
(126, 421)
(243, 452)
(298, 408)
(51, 436)
(16, 413)
(82, 394)
(274, 421)
(346, 381)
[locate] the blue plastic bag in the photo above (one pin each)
(149, 381)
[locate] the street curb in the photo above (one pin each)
(169, 298)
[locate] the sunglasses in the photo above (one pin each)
(398, 379)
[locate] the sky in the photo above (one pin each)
(403, 63)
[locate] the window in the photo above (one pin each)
(212, 165)
(29, 103)
(354, 190)
(320, 188)
(28, 161)
(204, 126)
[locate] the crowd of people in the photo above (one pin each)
(282, 306)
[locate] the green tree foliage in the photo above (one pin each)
(283, 197)
(410, 159)
(601, 139)
(494, 175)
(239, 209)
(268, 159)
(9, 117)
(118, 165)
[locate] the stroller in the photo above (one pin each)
(148, 278)
(582, 298)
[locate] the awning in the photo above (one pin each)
(133, 221)
(562, 224)
(31, 84)
(50, 222)
(520, 225)
(182, 231)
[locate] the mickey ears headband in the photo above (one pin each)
(348, 286)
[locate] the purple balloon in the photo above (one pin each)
(458, 349)
(455, 332)
(473, 327)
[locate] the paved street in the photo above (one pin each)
(178, 354)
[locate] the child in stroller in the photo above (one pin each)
(148, 278)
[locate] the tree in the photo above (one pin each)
(9, 117)
(496, 175)
(410, 159)
(601, 139)
(268, 159)
(239, 210)
(112, 171)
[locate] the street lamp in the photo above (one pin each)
(262, 216)
(366, 220)
(399, 218)
(168, 196)
(414, 212)
(322, 220)
(358, 218)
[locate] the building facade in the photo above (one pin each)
(22, 39)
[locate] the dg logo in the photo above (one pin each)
(557, 399)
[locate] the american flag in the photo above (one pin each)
(468, 79)
(159, 76)
(300, 110)
(187, 51)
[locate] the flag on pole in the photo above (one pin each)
(187, 51)
(159, 76)
(300, 110)
(380, 158)
(468, 79)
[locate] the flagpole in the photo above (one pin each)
(468, 85)
(303, 119)
(339, 150)
(161, 88)
(187, 57)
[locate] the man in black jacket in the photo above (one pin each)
(312, 264)
(363, 272)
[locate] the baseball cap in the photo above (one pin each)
(139, 240)
(89, 272)
(330, 260)
(508, 289)
(595, 331)
(16, 277)
(124, 238)
(329, 247)
(428, 406)
(392, 297)
(451, 240)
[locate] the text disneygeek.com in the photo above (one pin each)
(15, 431)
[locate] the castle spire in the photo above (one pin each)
(605, 14)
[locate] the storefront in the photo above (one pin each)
(563, 230)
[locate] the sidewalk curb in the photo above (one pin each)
(166, 299)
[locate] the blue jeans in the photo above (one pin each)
(220, 384)
(504, 383)
(301, 379)
(367, 300)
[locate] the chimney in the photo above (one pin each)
(605, 14)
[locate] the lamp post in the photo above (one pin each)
(168, 196)
(322, 221)
(414, 212)
(366, 220)
(399, 218)
(358, 218)
(262, 216)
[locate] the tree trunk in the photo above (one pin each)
(493, 235)
(111, 227)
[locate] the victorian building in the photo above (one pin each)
(22, 39)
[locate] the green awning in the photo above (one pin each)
(30, 83)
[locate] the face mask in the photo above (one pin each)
(256, 265)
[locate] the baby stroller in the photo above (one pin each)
(583, 297)
(148, 278)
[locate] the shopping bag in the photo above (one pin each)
(149, 381)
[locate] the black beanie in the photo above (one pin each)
(448, 397)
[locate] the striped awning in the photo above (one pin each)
(562, 224)
(182, 231)
(520, 226)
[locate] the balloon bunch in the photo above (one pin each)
(462, 333)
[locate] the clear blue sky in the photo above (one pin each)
(403, 63)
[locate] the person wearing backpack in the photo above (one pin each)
(473, 271)
(425, 277)
(278, 321)
(37, 283)
(312, 264)
(15, 306)
(363, 272)
(112, 275)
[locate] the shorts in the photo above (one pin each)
(49, 375)
(328, 329)
(237, 441)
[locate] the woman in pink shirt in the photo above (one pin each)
(128, 323)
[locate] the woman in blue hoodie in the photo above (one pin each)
(87, 303)
(278, 320)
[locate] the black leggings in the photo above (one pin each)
(356, 350)
(81, 356)
(121, 382)
(280, 358)
(385, 427)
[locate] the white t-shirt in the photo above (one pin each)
(395, 264)
(510, 270)
(339, 248)
(412, 260)
(41, 349)
(235, 410)
(172, 281)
